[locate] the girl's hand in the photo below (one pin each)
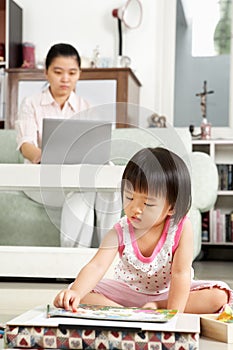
(67, 299)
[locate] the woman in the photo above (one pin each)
(58, 100)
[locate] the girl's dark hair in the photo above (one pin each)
(160, 172)
(61, 50)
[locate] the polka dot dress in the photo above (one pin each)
(150, 275)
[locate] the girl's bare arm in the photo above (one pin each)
(181, 270)
(90, 274)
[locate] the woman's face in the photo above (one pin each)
(63, 74)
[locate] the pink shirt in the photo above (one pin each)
(42, 105)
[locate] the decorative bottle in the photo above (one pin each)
(205, 129)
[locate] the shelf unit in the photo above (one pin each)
(221, 151)
(10, 44)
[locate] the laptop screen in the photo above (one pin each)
(74, 141)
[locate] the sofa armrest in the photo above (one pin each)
(8, 147)
(204, 181)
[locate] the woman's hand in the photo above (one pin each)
(37, 156)
(31, 152)
(67, 299)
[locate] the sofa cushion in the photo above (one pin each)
(24, 222)
(8, 147)
(204, 181)
(127, 141)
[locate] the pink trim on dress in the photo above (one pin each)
(158, 247)
(148, 259)
(178, 234)
(119, 231)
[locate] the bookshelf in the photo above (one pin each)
(10, 45)
(218, 223)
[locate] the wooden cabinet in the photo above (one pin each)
(220, 231)
(119, 86)
(10, 34)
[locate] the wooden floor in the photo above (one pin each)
(214, 270)
(208, 270)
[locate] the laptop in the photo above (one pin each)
(75, 141)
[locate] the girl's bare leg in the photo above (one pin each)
(206, 301)
(151, 305)
(161, 304)
(202, 301)
(98, 299)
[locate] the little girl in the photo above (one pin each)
(155, 244)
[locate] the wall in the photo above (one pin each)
(190, 73)
(151, 47)
(86, 25)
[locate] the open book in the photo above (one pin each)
(100, 312)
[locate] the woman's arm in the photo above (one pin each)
(31, 152)
(90, 274)
(181, 270)
(27, 128)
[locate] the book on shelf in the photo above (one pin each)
(205, 223)
(225, 177)
(218, 236)
(228, 228)
(230, 182)
(222, 227)
(231, 225)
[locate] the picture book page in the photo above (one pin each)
(100, 312)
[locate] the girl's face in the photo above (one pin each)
(63, 74)
(144, 211)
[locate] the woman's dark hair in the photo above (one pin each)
(160, 172)
(61, 50)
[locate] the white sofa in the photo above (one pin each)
(62, 263)
(125, 142)
(66, 262)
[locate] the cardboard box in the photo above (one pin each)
(212, 328)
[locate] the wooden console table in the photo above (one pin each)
(127, 90)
